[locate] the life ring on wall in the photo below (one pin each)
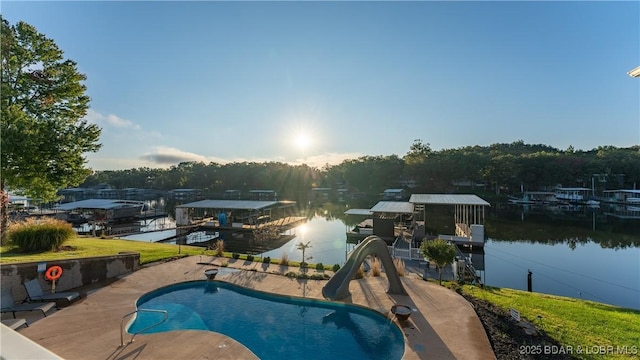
(53, 273)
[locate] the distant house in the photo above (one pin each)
(108, 193)
(320, 194)
(267, 195)
(342, 194)
(75, 194)
(393, 195)
(185, 193)
(410, 183)
(622, 196)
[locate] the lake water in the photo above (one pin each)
(587, 271)
(565, 258)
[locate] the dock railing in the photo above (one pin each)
(404, 250)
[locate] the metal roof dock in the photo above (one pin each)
(448, 199)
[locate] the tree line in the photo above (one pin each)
(505, 168)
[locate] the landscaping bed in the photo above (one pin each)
(509, 340)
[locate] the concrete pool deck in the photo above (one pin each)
(445, 326)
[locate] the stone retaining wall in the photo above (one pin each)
(75, 272)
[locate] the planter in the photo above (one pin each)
(402, 312)
(211, 273)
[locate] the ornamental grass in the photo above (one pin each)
(38, 235)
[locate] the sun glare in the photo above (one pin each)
(302, 141)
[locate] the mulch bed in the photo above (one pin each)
(508, 340)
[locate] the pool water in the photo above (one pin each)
(273, 326)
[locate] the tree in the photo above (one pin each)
(440, 252)
(43, 103)
(303, 247)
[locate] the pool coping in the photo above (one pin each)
(444, 325)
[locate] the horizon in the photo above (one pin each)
(321, 82)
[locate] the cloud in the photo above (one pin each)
(166, 156)
(120, 128)
(163, 157)
(121, 123)
(110, 120)
(170, 156)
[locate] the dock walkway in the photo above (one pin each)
(284, 223)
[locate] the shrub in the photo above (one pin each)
(266, 260)
(284, 260)
(304, 265)
(360, 273)
(336, 267)
(249, 257)
(235, 255)
(319, 276)
(39, 235)
(399, 263)
(319, 266)
(376, 267)
(220, 247)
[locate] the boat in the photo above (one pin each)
(573, 194)
(622, 196)
(535, 197)
(592, 203)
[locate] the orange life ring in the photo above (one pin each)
(53, 273)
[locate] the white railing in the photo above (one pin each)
(402, 253)
(410, 253)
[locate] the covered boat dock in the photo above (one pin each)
(469, 213)
(102, 210)
(237, 214)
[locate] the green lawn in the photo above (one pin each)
(592, 330)
(85, 247)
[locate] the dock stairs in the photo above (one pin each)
(466, 270)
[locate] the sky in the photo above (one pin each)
(321, 82)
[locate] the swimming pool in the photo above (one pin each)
(273, 326)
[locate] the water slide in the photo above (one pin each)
(337, 288)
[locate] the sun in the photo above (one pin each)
(302, 141)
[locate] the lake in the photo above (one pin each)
(580, 253)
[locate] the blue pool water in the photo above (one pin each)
(273, 326)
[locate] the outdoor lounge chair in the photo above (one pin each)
(8, 305)
(36, 294)
(15, 323)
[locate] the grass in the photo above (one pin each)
(399, 264)
(80, 247)
(86, 247)
(601, 331)
(376, 267)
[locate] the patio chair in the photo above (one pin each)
(36, 294)
(14, 324)
(9, 306)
